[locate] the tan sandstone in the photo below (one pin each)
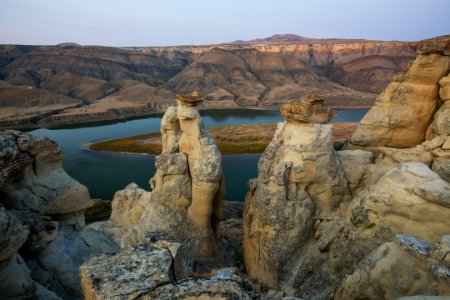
(299, 177)
(403, 112)
(188, 186)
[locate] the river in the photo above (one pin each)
(104, 173)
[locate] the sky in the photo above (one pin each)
(197, 22)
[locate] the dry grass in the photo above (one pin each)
(235, 139)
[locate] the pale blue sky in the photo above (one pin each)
(179, 22)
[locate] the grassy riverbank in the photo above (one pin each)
(234, 139)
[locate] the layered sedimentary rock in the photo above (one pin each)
(405, 109)
(386, 236)
(187, 188)
(300, 178)
(42, 85)
(42, 216)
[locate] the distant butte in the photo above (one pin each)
(282, 39)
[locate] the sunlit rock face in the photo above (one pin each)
(188, 185)
(404, 110)
(300, 178)
(381, 232)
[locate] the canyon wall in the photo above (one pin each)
(45, 85)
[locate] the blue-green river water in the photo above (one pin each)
(104, 173)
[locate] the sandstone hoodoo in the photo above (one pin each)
(300, 178)
(367, 222)
(170, 236)
(188, 186)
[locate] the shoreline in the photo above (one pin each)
(147, 154)
(246, 139)
(109, 120)
(86, 147)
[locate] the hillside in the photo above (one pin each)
(68, 83)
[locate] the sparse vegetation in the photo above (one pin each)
(235, 139)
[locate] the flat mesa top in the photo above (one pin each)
(192, 99)
(309, 109)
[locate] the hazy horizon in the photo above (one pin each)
(143, 23)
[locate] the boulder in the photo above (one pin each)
(42, 229)
(410, 198)
(56, 266)
(402, 267)
(148, 272)
(128, 274)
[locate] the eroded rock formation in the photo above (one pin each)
(188, 186)
(404, 111)
(147, 272)
(41, 210)
(383, 232)
(300, 178)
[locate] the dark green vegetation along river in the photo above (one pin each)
(104, 173)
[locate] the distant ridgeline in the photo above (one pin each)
(69, 83)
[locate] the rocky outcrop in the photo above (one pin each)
(300, 178)
(373, 238)
(41, 210)
(31, 178)
(147, 272)
(410, 199)
(48, 85)
(404, 111)
(405, 266)
(187, 188)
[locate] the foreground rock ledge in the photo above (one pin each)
(42, 216)
(144, 272)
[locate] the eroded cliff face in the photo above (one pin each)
(42, 215)
(383, 232)
(73, 84)
(404, 111)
